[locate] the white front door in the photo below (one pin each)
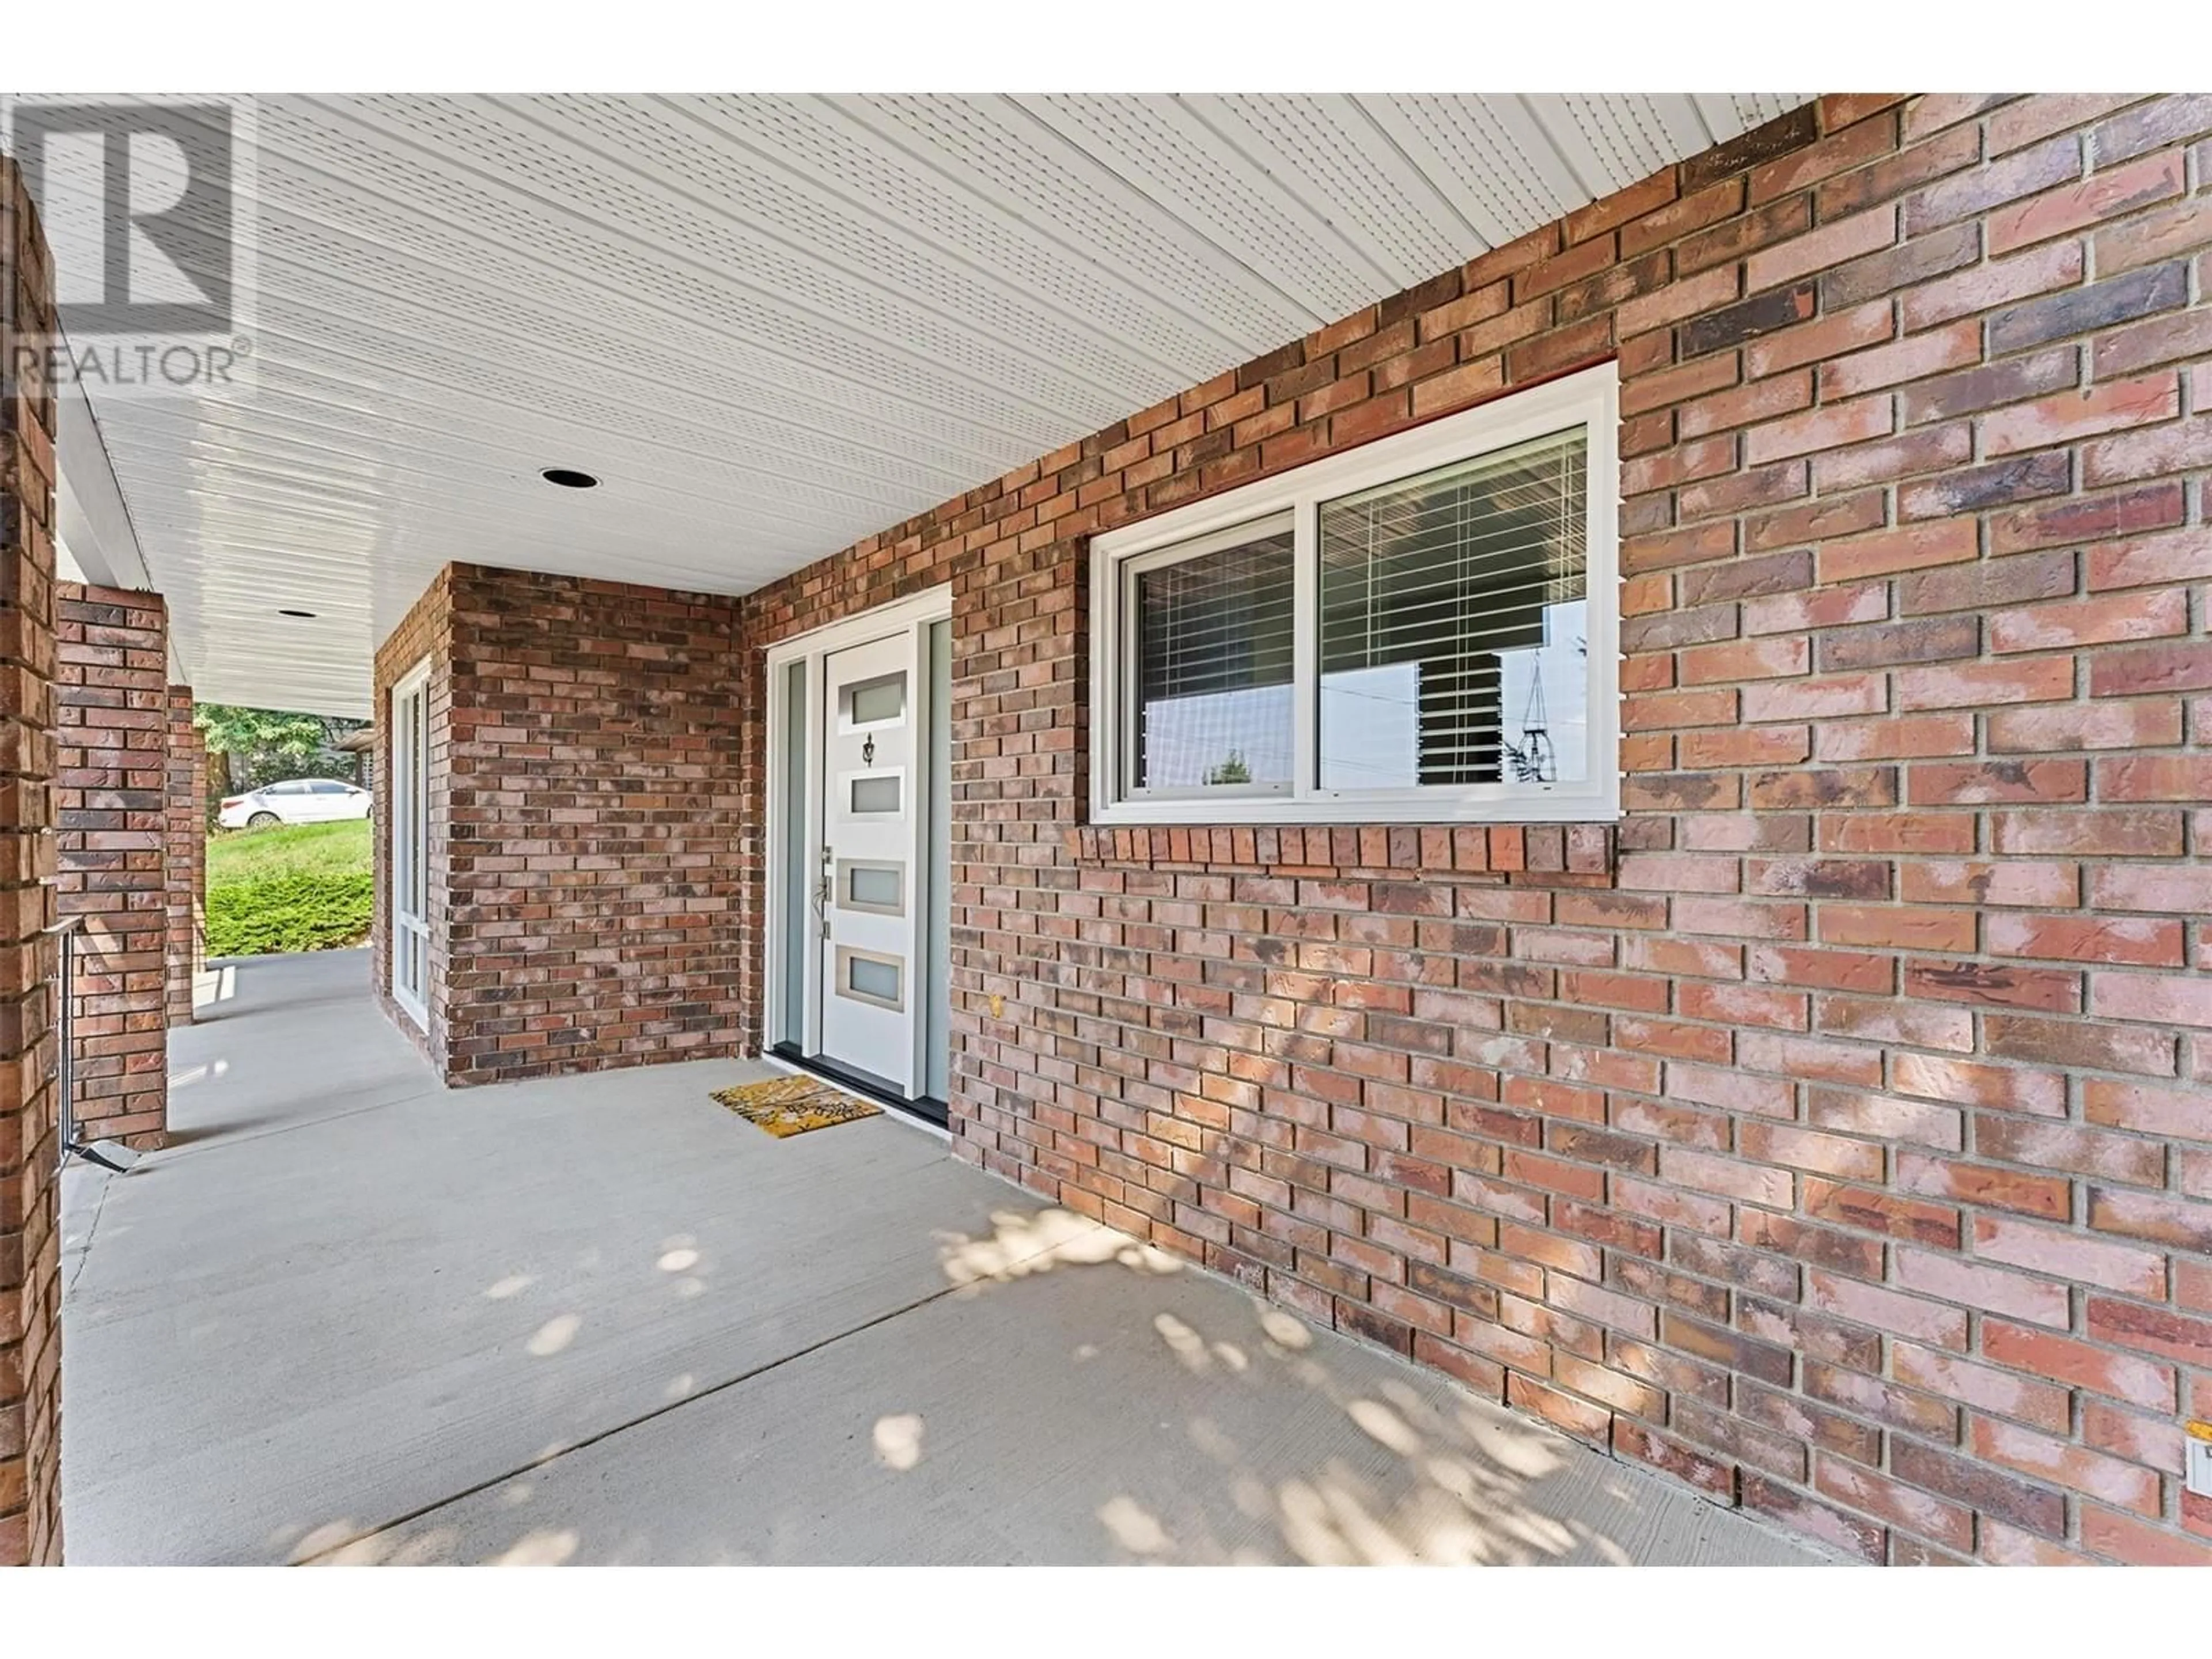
(871, 852)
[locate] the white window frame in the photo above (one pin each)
(1590, 399)
(410, 717)
(916, 616)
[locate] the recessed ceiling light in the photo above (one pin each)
(308, 615)
(567, 479)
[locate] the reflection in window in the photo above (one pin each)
(874, 886)
(1213, 651)
(868, 976)
(880, 794)
(871, 978)
(874, 701)
(1454, 630)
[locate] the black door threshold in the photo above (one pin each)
(930, 1109)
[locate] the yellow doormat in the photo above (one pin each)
(792, 1105)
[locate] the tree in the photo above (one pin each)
(1231, 770)
(266, 745)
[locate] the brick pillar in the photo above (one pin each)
(30, 1247)
(111, 807)
(185, 862)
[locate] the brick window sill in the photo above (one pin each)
(1580, 855)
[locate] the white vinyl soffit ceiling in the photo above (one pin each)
(770, 326)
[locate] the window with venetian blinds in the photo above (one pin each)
(1451, 610)
(1214, 666)
(1422, 629)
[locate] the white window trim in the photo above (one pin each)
(408, 800)
(1591, 399)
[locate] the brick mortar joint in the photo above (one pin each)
(1576, 855)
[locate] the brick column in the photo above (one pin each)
(185, 862)
(112, 696)
(30, 1249)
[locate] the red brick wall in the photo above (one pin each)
(588, 856)
(110, 809)
(185, 856)
(425, 632)
(1833, 1135)
(30, 1231)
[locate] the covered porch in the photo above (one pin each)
(1565, 735)
(349, 1315)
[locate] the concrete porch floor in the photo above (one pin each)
(351, 1316)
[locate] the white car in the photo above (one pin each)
(299, 800)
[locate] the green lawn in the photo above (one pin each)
(294, 887)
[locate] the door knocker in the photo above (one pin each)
(868, 752)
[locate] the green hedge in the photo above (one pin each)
(297, 910)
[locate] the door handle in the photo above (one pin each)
(822, 892)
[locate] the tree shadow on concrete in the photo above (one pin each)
(1074, 1397)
